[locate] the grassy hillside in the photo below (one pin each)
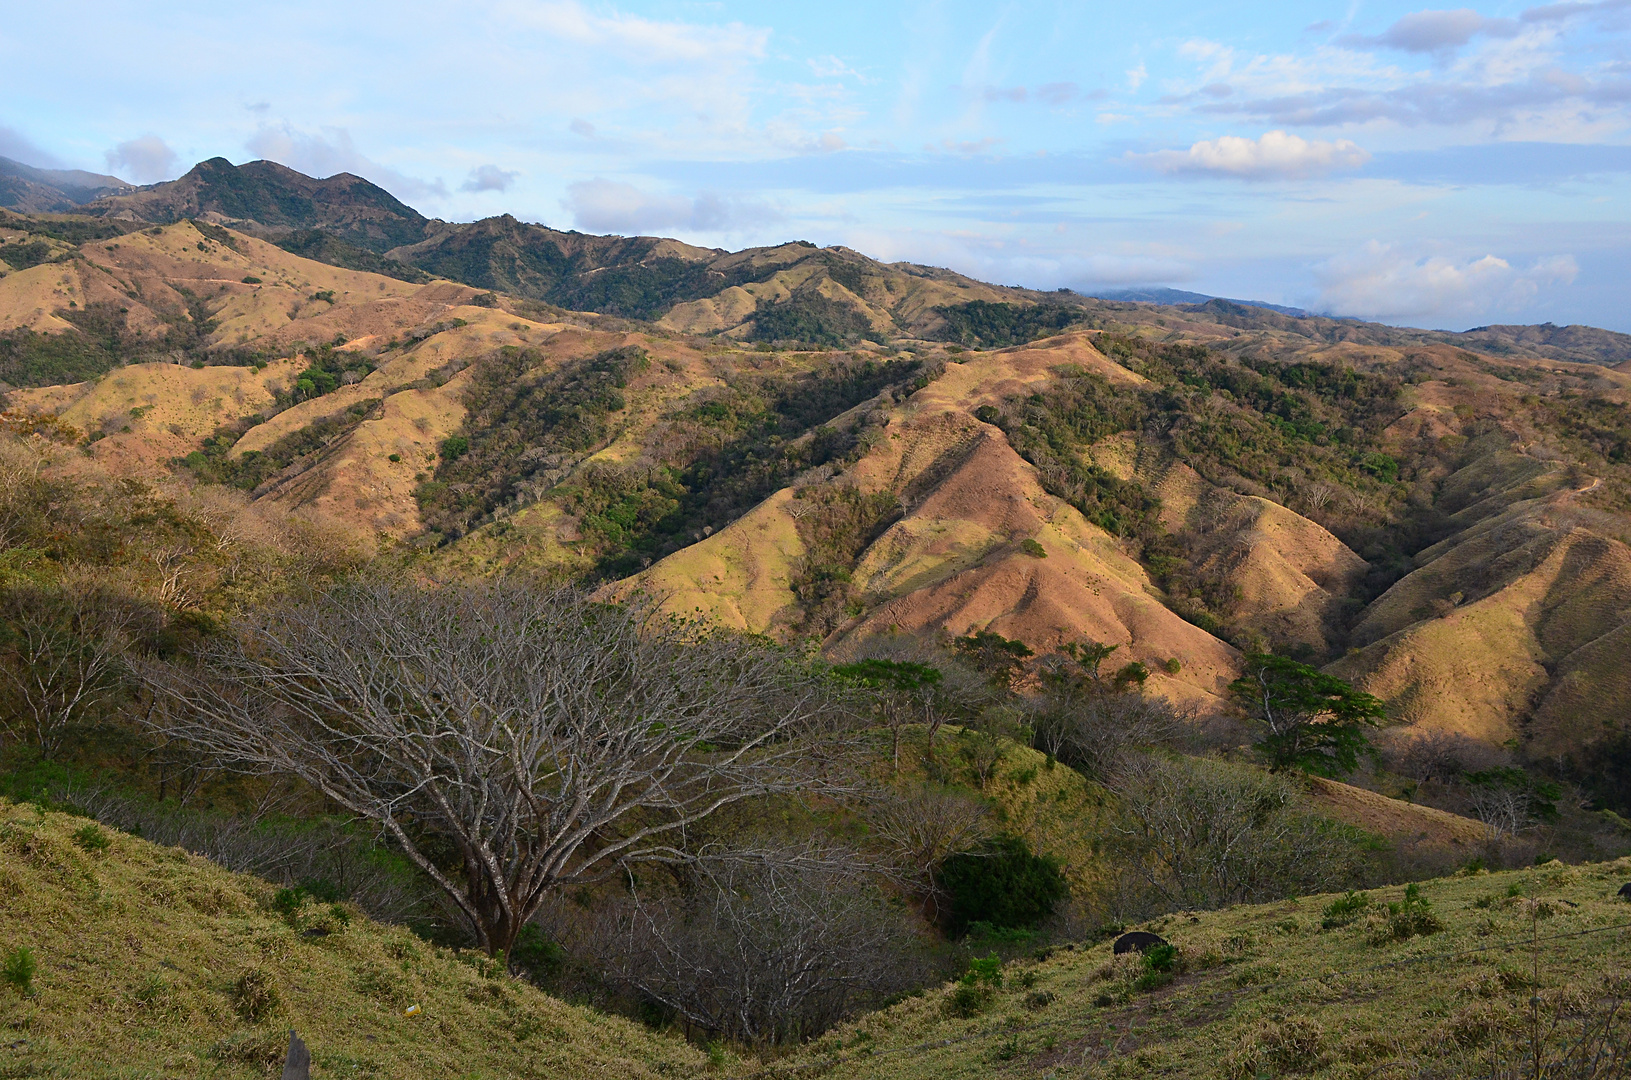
(1444, 985)
(155, 963)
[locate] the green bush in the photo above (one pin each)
(1161, 965)
(1344, 910)
(1411, 917)
(90, 837)
(19, 967)
(287, 902)
(535, 954)
(1004, 884)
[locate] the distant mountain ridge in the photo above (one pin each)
(793, 292)
(274, 200)
(1174, 297)
(28, 190)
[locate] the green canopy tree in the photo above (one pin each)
(904, 691)
(1315, 722)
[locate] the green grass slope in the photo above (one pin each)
(155, 963)
(1269, 990)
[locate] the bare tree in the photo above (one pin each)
(1203, 834)
(1097, 730)
(61, 657)
(918, 830)
(547, 739)
(1505, 809)
(763, 950)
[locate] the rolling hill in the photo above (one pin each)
(809, 443)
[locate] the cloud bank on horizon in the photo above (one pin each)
(1433, 167)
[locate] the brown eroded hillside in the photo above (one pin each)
(1444, 527)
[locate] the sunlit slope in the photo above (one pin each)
(1265, 990)
(1523, 608)
(957, 559)
(887, 299)
(141, 950)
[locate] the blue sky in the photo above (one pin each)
(1429, 167)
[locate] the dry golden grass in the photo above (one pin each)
(1265, 990)
(156, 963)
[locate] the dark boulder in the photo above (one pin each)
(1137, 941)
(1625, 891)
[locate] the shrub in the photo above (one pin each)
(1411, 917)
(18, 969)
(536, 954)
(1004, 884)
(1033, 549)
(91, 837)
(967, 999)
(251, 279)
(255, 996)
(1344, 910)
(1161, 965)
(287, 902)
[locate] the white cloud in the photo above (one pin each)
(1384, 281)
(330, 153)
(582, 127)
(609, 206)
(489, 178)
(1136, 77)
(146, 159)
(830, 67)
(1276, 155)
(641, 40)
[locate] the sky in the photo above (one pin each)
(1443, 168)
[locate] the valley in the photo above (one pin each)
(1067, 531)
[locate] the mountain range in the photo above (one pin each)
(809, 443)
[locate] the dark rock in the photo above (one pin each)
(297, 1066)
(1137, 941)
(316, 931)
(1625, 891)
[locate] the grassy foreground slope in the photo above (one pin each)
(1266, 990)
(156, 963)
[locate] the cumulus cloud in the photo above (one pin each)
(608, 206)
(1387, 282)
(1276, 155)
(489, 178)
(333, 152)
(146, 159)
